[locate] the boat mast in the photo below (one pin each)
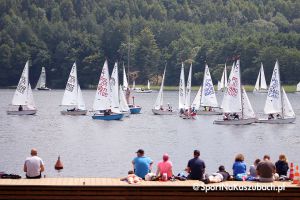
(203, 82)
(128, 50)
(241, 89)
(280, 90)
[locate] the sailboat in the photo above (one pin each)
(133, 85)
(124, 108)
(23, 102)
(187, 112)
(159, 103)
(142, 90)
(222, 85)
(277, 107)
(298, 87)
(41, 84)
(73, 95)
(197, 99)
(208, 101)
(237, 109)
(103, 105)
(261, 85)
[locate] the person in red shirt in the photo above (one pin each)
(165, 166)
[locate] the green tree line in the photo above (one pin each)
(149, 34)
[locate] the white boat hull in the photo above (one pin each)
(143, 91)
(235, 122)
(23, 112)
(203, 112)
(74, 113)
(163, 112)
(276, 121)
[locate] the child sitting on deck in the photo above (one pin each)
(219, 176)
(131, 178)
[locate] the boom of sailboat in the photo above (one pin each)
(114, 101)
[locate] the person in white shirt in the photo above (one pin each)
(34, 166)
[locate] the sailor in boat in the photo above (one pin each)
(226, 116)
(271, 116)
(161, 108)
(181, 111)
(20, 108)
(71, 110)
(278, 116)
(170, 107)
(107, 112)
(235, 116)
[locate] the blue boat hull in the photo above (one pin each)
(108, 117)
(135, 110)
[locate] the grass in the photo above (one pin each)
(248, 88)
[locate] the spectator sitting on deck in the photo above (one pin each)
(219, 176)
(131, 178)
(33, 166)
(266, 170)
(282, 166)
(252, 170)
(141, 164)
(239, 167)
(20, 108)
(165, 167)
(196, 167)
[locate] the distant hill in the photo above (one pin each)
(55, 33)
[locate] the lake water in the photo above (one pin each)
(95, 148)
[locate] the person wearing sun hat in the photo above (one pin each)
(141, 164)
(165, 166)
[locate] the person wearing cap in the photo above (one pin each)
(165, 166)
(141, 164)
(196, 167)
(34, 166)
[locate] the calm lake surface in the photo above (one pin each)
(95, 148)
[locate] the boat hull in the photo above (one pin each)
(23, 112)
(45, 89)
(74, 113)
(135, 110)
(113, 116)
(276, 121)
(163, 112)
(203, 112)
(143, 91)
(235, 122)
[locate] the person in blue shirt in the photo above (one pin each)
(142, 165)
(239, 166)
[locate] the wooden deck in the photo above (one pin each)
(113, 188)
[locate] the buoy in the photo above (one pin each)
(292, 171)
(58, 164)
(297, 176)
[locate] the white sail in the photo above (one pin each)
(133, 85)
(182, 88)
(21, 93)
(102, 99)
(197, 99)
(30, 100)
(232, 98)
(148, 85)
(114, 87)
(187, 104)
(71, 92)
(125, 82)
(247, 107)
(273, 103)
(42, 80)
(219, 85)
(288, 111)
(123, 103)
(222, 85)
(208, 96)
(263, 83)
(160, 97)
(256, 87)
(225, 76)
(80, 101)
(298, 87)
